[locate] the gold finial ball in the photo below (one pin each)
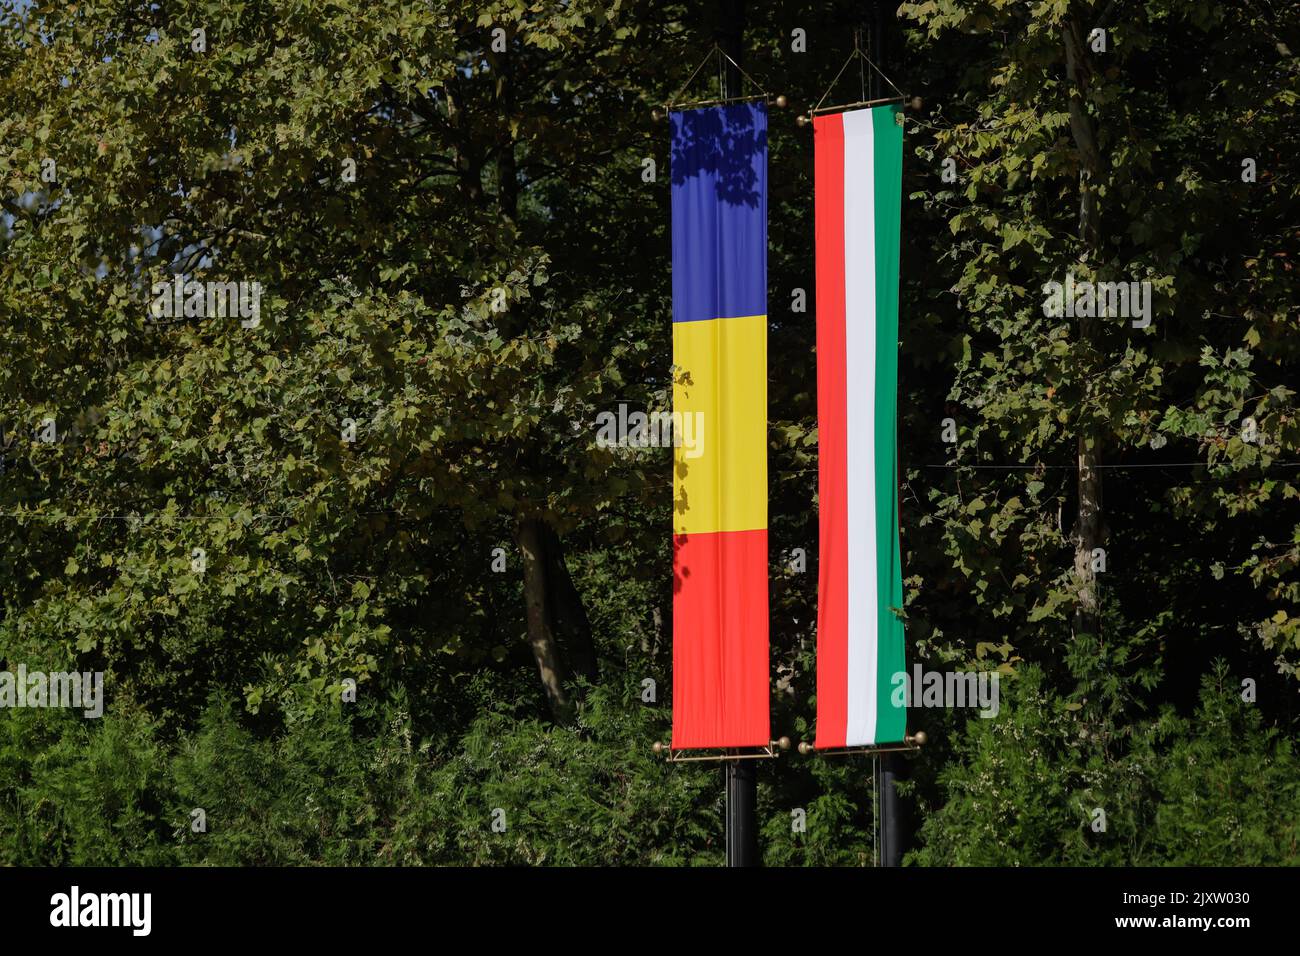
(784, 743)
(781, 102)
(801, 120)
(805, 748)
(658, 747)
(916, 103)
(656, 114)
(919, 738)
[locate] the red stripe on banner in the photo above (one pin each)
(832, 432)
(720, 664)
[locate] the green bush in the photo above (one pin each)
(336, 789)
(1217, 788)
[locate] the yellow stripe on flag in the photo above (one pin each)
(722, 373)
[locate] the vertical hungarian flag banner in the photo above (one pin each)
(858, 192)
(719, 209)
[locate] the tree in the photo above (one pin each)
(384, 174)
(390, 473)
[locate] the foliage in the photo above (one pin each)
(495, 276)
(335, 789)
(1215, 789)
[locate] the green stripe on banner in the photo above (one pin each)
(891, 721)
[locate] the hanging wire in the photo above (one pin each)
(1168, 464)
(1136, 466)
(165, 517)
(691, 78)
(862, 80)
(858, 53)
(675, 102)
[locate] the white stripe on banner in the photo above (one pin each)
(860, 421)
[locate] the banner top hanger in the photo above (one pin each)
(676, 104)
(913, 102)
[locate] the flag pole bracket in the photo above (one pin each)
(911, 102)
(676, 103)
(770, 752)
(912, 742)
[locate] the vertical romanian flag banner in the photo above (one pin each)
(858, 198)
(719, 209)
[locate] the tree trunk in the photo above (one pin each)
(568, 615)
(507, 171)
(558, 629)
(1088, 528)
(1088, 535)
(531, 537)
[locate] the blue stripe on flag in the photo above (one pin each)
(719, 177)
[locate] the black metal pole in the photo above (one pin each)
(894, 828)
(741, 775)
(731, 38)
(875, 47)
(742, 809)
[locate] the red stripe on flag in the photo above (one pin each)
(832, 431)
(720, 665)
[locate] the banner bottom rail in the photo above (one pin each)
(912, 742)
(770, 752)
